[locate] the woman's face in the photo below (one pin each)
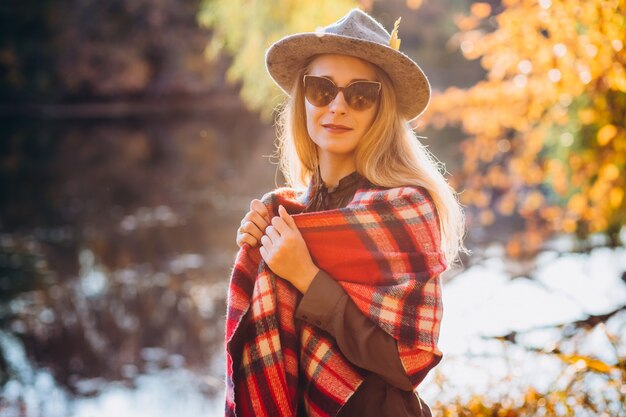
(336, 128)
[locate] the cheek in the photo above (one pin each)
(311, 116)
(369, 117)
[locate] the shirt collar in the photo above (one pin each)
(345, 183)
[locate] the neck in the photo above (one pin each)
(333, 168)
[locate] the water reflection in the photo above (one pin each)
(557, 330)
(115, 241)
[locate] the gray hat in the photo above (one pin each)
(359, 35)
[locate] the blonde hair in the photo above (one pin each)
(388, 155)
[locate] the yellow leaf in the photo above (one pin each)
(577, 203)
(616, 195)
(487, 217)
(617, 77)
(533, 201)
(606, 133)
(514, 247)
(394, 41)
(481, 10)
(551, 213)
(482, 199)
(610, 172)
(465, 23)
(587, 362)
(506, 206)
(569, 225)
(598, 224)
(587, 116)
(413, 4)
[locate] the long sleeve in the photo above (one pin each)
(327, 306)
(386, 391)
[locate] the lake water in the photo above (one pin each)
(117, 239)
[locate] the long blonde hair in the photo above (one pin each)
(388, 155)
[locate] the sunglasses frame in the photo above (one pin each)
(341, 89)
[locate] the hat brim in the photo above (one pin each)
(285, 58)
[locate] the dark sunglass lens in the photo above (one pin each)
(362, 95)
(319, 91)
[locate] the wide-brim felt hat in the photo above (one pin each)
(356, 34)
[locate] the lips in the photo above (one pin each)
(335, 128)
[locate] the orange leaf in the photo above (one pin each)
(481, 10)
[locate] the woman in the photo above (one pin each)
(334, 302)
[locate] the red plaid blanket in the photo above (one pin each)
(384, 250)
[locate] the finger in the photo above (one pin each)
(280, 225)
(259, 207)
(256, 218)
(243, 245)
(272, 233)
(266, 242)
(251, 229)
(246, 239)
(254, 224)
(286, 217)
(259, 220)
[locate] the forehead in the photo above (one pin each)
(342, 68)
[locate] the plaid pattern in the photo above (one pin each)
(384, 250)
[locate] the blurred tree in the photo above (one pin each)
(93, 49)
(118, 48)
(245, 29)
(26, 49)
(547, 139)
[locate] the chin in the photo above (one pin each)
(336, 146)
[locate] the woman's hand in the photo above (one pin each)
(284, 250)
(253, 224)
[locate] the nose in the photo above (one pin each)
(338, 105)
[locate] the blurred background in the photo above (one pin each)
(133, 135)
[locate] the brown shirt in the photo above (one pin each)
(386, 390)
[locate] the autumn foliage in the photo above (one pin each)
(582, 386)
(245, 29)
(546, 135)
